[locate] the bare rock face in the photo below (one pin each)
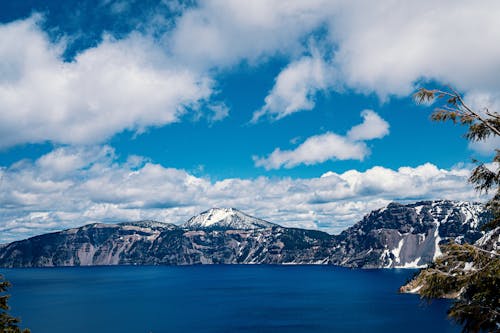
(395, 236)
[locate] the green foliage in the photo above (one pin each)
(466, 272)
(470, 274)
(8, 324)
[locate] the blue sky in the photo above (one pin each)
(299, 112)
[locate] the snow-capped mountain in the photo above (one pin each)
(226, 218)
(395, 236)
(408, 236)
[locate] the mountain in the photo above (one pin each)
(92, 244)
(129, 244)
(407, 236)
(395, 236)
(226, 218)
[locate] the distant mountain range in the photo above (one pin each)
(395, 236)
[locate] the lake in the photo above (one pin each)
(220, 298)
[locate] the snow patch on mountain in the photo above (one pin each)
(437, 240)
(397, 250)
(412, 264)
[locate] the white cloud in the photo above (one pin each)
(316, 149)
(296, 86)
(387, 46)
(90, 185)
(118, 85)
(482, 102)
(372, 127)
(487, 146)
(223, 33)
(329, 146)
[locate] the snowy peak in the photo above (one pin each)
(226, 218)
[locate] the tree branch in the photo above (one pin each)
(484, 121)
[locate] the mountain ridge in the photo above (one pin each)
(397, 235)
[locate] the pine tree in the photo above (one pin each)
(8, 324)
(466, 272)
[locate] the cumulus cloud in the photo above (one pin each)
(117, 85)
(316, 149)
(329, 146)
(388, 46)
(71, 186)
(295, 88)
(372, 127)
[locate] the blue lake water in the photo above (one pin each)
(220, 298)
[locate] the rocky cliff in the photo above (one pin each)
(407, 236)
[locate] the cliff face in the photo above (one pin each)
(395, 236)
(462, 267)
(408, 236)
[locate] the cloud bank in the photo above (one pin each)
(71, 186)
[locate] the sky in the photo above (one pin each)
(297, 112)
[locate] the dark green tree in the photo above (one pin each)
(468, 273)
(8, 324)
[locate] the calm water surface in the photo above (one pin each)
(220, 299)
